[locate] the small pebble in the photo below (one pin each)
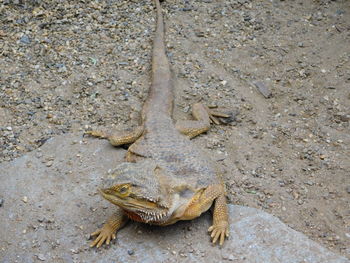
(131, 252)
(264, 90)
(25, 39)
(25, 199)
(347, 190)
(231, 258)
(41, 257)
(309, 183)
(200, 34)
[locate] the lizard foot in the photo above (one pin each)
(105, 234)
(219, 230)
(219, 117)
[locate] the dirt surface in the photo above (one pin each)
(282, 66)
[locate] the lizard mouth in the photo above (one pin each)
(142, 210)
(147, 216)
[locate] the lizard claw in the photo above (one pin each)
(104, 234)
(219, 231)
(218, 117)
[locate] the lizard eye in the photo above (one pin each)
(124, 190)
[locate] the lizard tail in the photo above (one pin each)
(160, 95)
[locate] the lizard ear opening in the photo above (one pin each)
(160, 174)
(158, 170)
(162, 177)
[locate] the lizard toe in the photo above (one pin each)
(219, 231)
(104, 235)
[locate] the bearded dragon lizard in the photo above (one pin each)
(166, 178)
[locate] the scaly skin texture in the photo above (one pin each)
(166, 178)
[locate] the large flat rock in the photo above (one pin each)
(50, 206)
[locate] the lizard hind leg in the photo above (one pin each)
(119, 138)
(203, 117)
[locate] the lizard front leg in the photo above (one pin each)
(108, 230)
(220, 227)
(201, 203)
(119, 138)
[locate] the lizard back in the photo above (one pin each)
(161, 141)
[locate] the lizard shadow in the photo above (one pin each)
(165, 236)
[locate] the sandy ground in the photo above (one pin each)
(282, 66)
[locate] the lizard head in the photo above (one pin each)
(140, 189)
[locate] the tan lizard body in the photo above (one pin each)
(166, 178)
